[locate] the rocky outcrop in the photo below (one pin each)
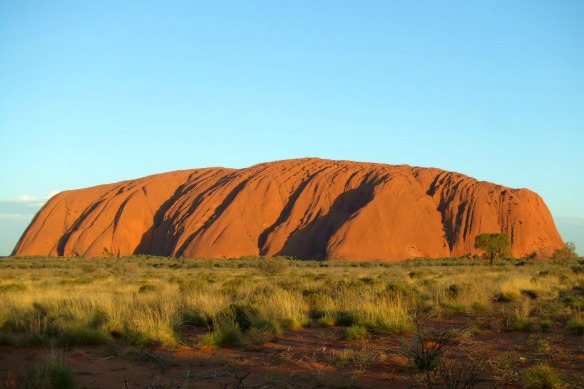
(307, 208)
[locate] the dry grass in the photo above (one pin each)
(148, 301)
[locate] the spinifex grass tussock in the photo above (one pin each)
(286, 308)
(226, 332)
(240, 325)
(51, 374)
(542, 376)
(519, 318)
(356, 332)
(152, 300)
(207, 302)
(359, 359)
(575, 325)
(152, 324)
(368, 306)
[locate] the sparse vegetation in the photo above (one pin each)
(542, 376)
(568, 252)
(426, 348)
(504, 367)
(250, 303)
(50, 375)
(575, 325)
(452, 374)
(356, 332)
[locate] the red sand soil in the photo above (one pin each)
(307, 208)
(302, 358)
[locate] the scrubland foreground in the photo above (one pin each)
(151, 322)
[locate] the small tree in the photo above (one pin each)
(567, 252)
(494, 245)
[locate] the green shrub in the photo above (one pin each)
(229, 325)
(327, 321)
(454, 290)
(575, 326)
(542, 376)
(356, 332)
(546, 325)
(156, 335)
(226, 333)
(521, 323)
(210, 340)
(571, 300)
(345, 319)
(272, 267)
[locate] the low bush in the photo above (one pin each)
(521, 323)
(327, 321)
(426, 348)
(226, 333)
(575, 326)
(148, 326)
(272, 266)
(356, 332)
(542, 376)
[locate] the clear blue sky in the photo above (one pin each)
(95, 92)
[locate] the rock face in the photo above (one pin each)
(307, 208)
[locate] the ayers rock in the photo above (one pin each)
(307, 208)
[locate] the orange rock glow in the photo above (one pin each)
(307, 208)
